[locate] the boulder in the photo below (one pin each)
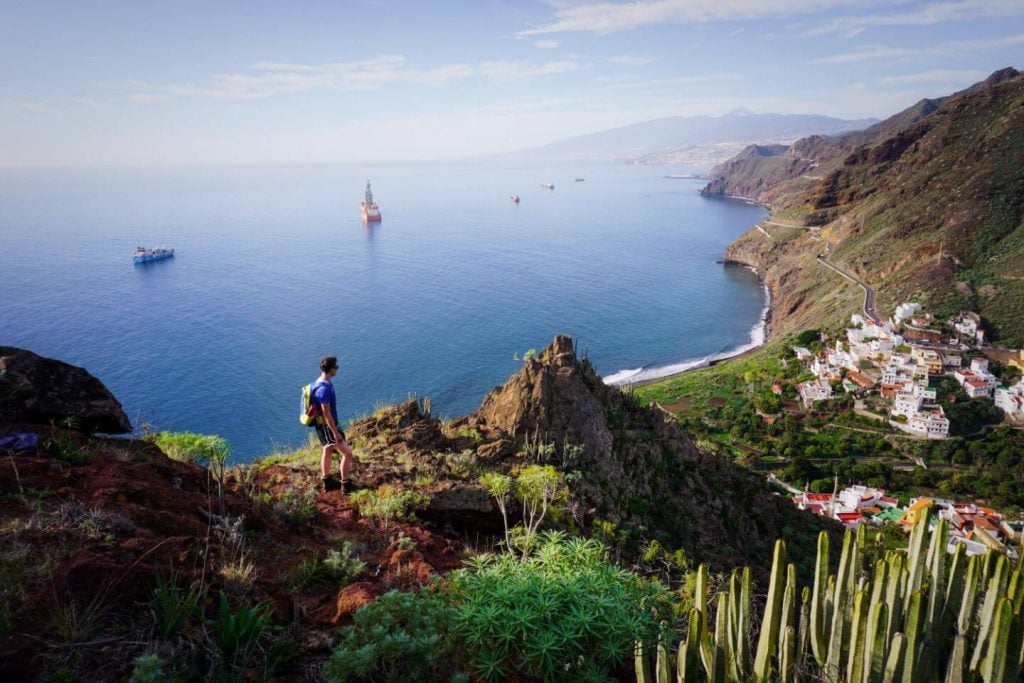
(37, 390)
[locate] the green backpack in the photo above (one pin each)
(309, 413)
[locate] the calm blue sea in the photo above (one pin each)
(275, 269)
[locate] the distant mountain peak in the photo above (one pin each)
(710, 138)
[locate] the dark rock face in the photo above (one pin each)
(37, 390)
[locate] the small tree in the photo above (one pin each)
(537, 488)
(500, 486)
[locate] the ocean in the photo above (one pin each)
(274, 269)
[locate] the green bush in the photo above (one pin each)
(148, 669)
(343, 565)
(237, 633)
(564, 610)
(387, 505)
(398, 637)
(295, 508)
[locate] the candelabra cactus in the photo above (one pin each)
(922, 614)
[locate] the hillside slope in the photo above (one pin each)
(927, 205)
(94, 530)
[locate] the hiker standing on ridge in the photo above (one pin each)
(331, 436)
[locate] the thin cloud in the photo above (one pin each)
(942, 76)
(662, 83)
(935, 13)
(983, 44)
(631, 60)
(867, 54)
(271, 79)
(18, 104)
(517, 71)
(880, 52)
(608, 17)
(548, 44)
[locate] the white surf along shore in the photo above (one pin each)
(758, 336)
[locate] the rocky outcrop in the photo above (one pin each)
(633, 466)
(628, 466)
(39, 390)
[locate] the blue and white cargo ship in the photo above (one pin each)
(143, 255)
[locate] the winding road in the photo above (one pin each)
(869, 291)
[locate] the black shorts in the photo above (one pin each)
(326, 436)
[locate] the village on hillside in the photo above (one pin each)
(892, 366)
(974, 526)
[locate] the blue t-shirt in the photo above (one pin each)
(323, 395)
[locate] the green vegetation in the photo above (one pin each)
(148, 669)
(211, 452)
(173, 605)
(294, 507)
(339, 567)
(398, 637)
(237, 634)
(564, 611)
(386, 505)
(197, 449)
(537, 487)
(725, 408)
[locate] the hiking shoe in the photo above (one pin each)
(347, 486)
(331, 484)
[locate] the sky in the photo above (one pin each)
(110, 82)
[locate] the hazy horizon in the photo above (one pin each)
(392, 81)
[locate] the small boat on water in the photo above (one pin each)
(548, 186)
(514, 199)
(143, 255)
(371, 212)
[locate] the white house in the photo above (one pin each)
(906, 404)
(931, 423)
(815, 390)
(976, 380)
(802, 353)
(823, 368)
(1011, 400)
(911, 398)
(977, 388)
(906, 310)
(967, 327)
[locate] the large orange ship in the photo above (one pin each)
(371, 212)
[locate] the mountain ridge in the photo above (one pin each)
(645, 140)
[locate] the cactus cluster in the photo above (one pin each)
(912, 617)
